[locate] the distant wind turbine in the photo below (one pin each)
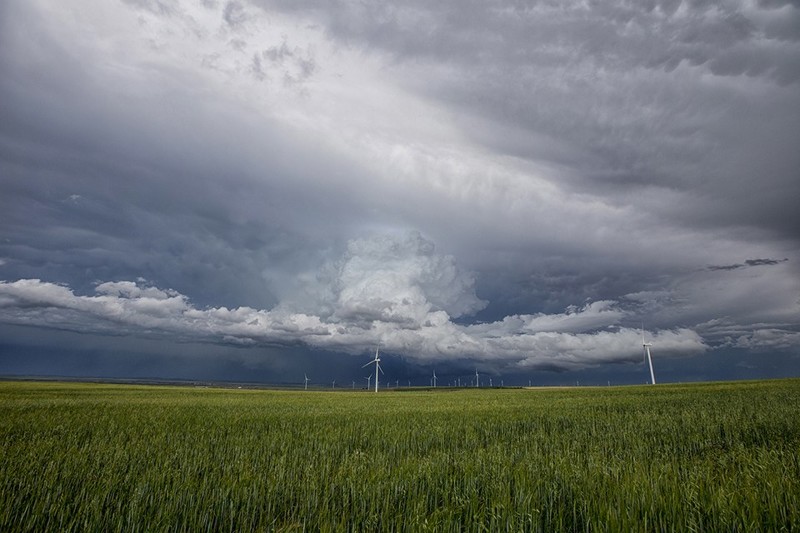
(369, 380)
(333, 385)
(477, 382)
(306, 381)
(377, 362)
(433, 379)
(646, 346)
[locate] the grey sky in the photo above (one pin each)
(512, 185)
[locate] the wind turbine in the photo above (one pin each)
(646, 347)
(434, 379)
(306, 381)
(369, 380)
(333, 386)
(477, 382)
(377, 362)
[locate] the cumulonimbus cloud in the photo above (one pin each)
(396, 291)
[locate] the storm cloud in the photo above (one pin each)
(526, 185)
(394, 293)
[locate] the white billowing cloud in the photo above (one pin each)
(765, 339)
(400, 280)
(572, 350)
(435, 337)
(141, 311)
(129, 289)
(35, 293)
(123, 303)
(747, 304)
(396, 291)
(592, 316)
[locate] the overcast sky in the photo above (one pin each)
(254, 190)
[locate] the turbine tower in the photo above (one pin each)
(477, 379)
(306, 381)
(646, 347)
(434, 379)
(377, 362)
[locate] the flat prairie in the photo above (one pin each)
(695, 457)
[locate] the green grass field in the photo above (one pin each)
(702, 457)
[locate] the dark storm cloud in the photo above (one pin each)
(147, 199)
(634, 96)
(747, 263)
(517, 184)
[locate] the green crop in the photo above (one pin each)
(703, 457)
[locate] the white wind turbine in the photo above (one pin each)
(646, 347)
(369, 380)
(434, 379)
(377, 362)
(306, 381)
(477, 382)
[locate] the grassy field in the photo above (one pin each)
(703, 457)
